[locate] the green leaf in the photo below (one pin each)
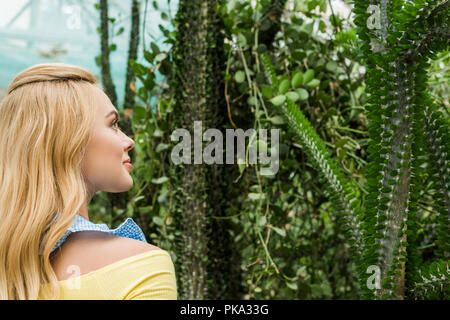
(314, 83)
(331, 66)
(157, 133)
(341, 142)
(158, 221)
(261, 221)
(292, 285)
(148, 56)
(323, 6)
(163, 196)
(160, 180)
(297, 79)
(278, 100)
(308, 76)
(302, 93)
(322, 26)
(294, 96)
(241, 167)
(139, 112)
(255, 196)
(155, 48)
(161, 147)
(120, 31)
(239, 76)
(242, 41)
(143, 93)
(145, 209)
(138, 68)
(267, 91)
(277, 120)
(160, 56)
(308, 27)
(284, 86)
(341, 153)
(252, 101)
(280, 231)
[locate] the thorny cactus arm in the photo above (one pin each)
(395, 44)
(432, 279)
(438, 139)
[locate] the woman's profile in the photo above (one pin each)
(60, 145)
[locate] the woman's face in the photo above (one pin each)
(102, 165)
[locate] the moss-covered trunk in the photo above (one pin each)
(200, 198)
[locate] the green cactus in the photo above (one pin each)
(396, 40)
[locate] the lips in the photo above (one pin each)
(128, 165)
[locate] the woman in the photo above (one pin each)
(60, 145)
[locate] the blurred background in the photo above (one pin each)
(40, 31)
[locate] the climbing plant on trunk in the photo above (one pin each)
(397, 39)
(197, 84)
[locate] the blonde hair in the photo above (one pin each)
(46, 119)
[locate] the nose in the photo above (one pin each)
(129, 143)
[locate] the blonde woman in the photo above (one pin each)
(60, 145)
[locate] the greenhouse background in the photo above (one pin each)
(40, 31)
(357, 92)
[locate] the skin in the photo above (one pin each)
(102, 165)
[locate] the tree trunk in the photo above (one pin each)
(108, 84)
(272, 16)
(205, 256)
(128, 104)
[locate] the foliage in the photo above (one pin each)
(299, 234)
(290, 212)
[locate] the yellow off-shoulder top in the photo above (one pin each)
(149, 275)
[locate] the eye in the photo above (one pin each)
(115, 124)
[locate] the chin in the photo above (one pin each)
(124, 186)
(129, 185)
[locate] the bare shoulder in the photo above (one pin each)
(92, 250)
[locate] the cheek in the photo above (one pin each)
(103, 155)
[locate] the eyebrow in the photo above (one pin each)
(113, 112)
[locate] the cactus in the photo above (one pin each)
(396, 40)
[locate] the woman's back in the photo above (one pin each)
(98, 265)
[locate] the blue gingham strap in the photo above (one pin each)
(128, 229)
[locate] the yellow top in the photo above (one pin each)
(149, 275)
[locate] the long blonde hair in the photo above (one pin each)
(46, 119)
